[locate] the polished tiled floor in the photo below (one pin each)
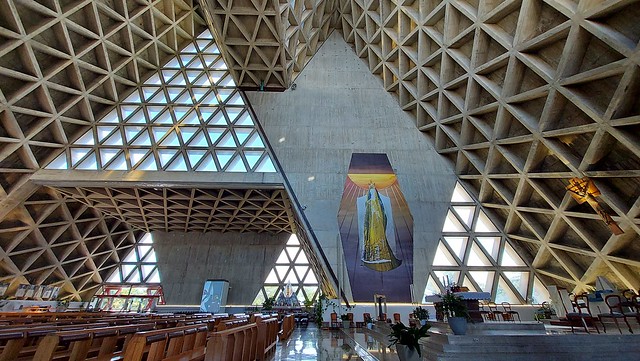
(311, 343)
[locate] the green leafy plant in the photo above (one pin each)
(318, 309)
(408, 336)
(421, 313)
(344, 317)
(268, 303)
(308, 303)
(454, 306)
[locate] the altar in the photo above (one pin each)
(470, 300)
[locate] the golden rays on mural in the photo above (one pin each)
(381, 181)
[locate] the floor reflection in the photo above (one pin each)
(311, 343)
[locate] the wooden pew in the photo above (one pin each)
(21, 341)
(288, 324)
(178, 343)
(89, 344)
(229, 324)
(267, 337)
(235, 344)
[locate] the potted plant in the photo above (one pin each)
(308, 304)
(456, 311)
(421, 314)
(319, 308)
(345, 320)
(406, 341)
(267, 305)
(368, 321)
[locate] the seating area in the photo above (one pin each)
(78, 336)
(619, 308)
(491, 312)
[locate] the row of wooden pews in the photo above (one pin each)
(138, 337)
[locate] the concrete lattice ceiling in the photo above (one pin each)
(66, 66)
(62, 65)
(268, 42)
(191, 210)
(523, 95)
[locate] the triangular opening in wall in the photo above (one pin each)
(432, 288)
(477, 257)
(443, 257)
(448, 277)
(466, 282)
(504, 293)
(458, 245)
(484, 279)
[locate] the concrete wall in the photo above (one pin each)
(339, 108)
(186, 260)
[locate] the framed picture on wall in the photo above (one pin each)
(21, 291)
(38, 293)
(30, 292)
(3, 288)
(46, 294)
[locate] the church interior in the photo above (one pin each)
(217, 167)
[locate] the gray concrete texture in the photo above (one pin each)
(186, 260)
(340, 108)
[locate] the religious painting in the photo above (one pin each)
(376, 229)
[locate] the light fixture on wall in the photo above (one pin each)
(584, 190)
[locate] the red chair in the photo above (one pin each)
(494, 314)
(581, 314)
(614, 302)
(334, 321)
(396, 317)
(508, 313)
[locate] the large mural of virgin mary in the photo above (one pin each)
(376, 229)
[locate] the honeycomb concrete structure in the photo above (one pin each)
(234, 121)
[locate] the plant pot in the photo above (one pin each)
(458, 325)
(407, 354)
(423, 322)
(346, 324)
(370, 325)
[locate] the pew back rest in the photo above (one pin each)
(183, 342)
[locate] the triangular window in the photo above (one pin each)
(187, 91)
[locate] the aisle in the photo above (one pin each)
(313, 344)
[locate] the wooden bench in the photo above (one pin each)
(14, 346)
(178, 343)
(226, 325)
(288, 325)
(235, 344)
(47, 344)
(89, 344)
(267, 336)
